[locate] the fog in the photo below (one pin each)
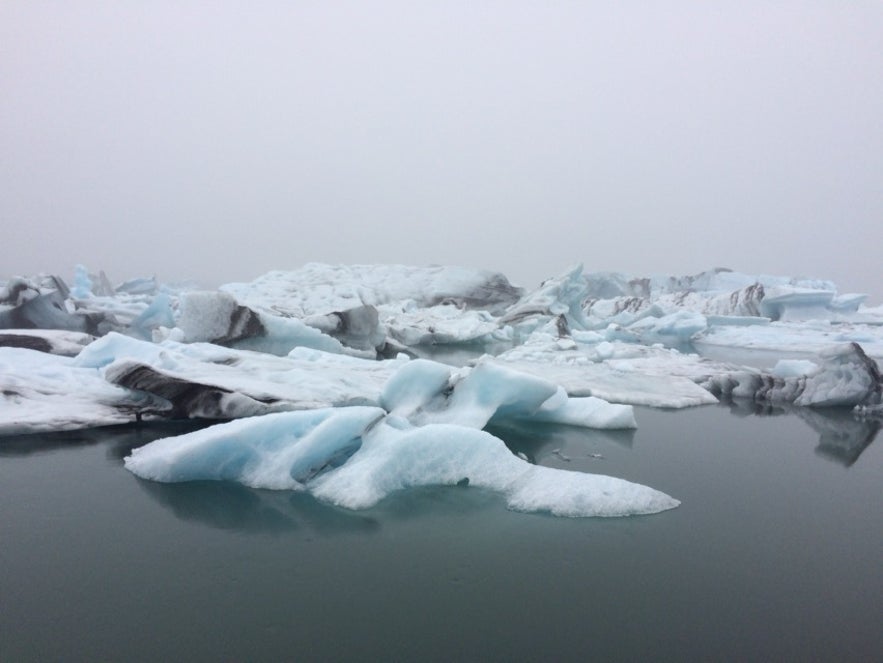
(218, 141)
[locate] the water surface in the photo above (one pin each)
(774, 554)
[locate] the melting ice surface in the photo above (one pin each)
(316, 367)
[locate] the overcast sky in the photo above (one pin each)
(220, 140)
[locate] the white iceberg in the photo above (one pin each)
(789, 339)
(319, 289)
(355, 457)
(844, 376)
(211, 381)
(425, 392)
(615, 371)
(47, 392)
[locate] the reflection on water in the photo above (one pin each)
(232, 506)
(218, 571)
(842, 436)
(120, 440)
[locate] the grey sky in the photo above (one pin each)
(219, 140)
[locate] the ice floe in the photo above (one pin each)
(355, 457)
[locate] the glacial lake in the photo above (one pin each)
(774, 554)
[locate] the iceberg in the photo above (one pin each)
(561, 296)
(210, 381)
(615, 371)
(355, 457)
(428, 393)
(48, 392)
(319, 289)
(316, 369)
(845, 376)
(790, 339)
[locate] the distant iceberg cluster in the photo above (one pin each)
(328, 376)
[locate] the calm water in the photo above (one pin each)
(775, 554)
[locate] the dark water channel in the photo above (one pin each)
(774, 554)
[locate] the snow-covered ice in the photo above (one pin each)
(45, 392)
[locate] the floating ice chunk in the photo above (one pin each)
(277, 451)
(391, 459)
(200, 379)
(790, 304)
(607, 285)
(426, 392)
(624, 299)
(216, 317)
(374, 306)
(563, 295)
(46, 392)
(352, 458)
(575, 494)
(319, 289)
(588, 412)
(847, 376)
(790, 338)
(608, 370)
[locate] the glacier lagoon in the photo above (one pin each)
(773, 554)
(417, 502)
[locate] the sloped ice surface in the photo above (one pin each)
(45, 392)
(355, 457)
(279, 451)
(615, 371)
(206, 380)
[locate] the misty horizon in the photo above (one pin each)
(219, 145)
